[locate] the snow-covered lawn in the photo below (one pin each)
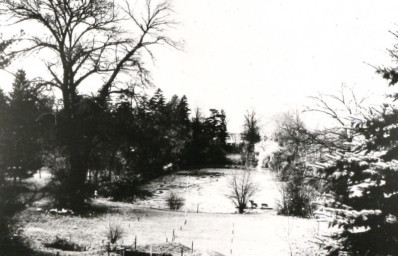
(249, 234)
(214, 229)
(207, 190)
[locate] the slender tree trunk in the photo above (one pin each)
(96, 178)
(110, 166)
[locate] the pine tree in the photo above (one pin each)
(365, 189)
(250, 136)
(4, 110)
(21, 141)
(363, 180)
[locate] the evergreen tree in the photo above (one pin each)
(363, 179)
(216, 133)
(21, 141)
(250, 136)
(208, 140)
(4, 109)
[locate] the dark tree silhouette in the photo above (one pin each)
(250, 136)
(84, 39)
(21, 142)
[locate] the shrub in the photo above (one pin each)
(10, 204)
(297, 194)
(137, 253)
(114, 231)
(174, 201)
(65, 245)
(123, 188)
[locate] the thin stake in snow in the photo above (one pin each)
(232, 237)
(186, 196)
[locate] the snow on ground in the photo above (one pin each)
(40, 178)
(213, 229)
(247, 234)
(207, 190)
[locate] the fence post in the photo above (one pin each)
(135, 242)
(192, 247)
(233, 235)
(182, 251)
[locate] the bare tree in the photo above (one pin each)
(344, 107)
(113, 230)
(85, 38)
(242, 188)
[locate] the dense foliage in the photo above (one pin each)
(250, 136)
(298, 184)
(21, 144)
(208, 140)
(364, 183)
(139, 140)
(22, 128)
(63, 37)
(363, 180)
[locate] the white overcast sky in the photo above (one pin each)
(270, 55)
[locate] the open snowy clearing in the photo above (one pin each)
(215, 229)
(205, 190)
(247, 234)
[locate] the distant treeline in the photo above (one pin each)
(152, 136)
(136, 137)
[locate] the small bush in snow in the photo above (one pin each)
(114, 231)
(174, 201)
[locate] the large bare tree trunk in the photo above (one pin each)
(78, 153)
(78, 174)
